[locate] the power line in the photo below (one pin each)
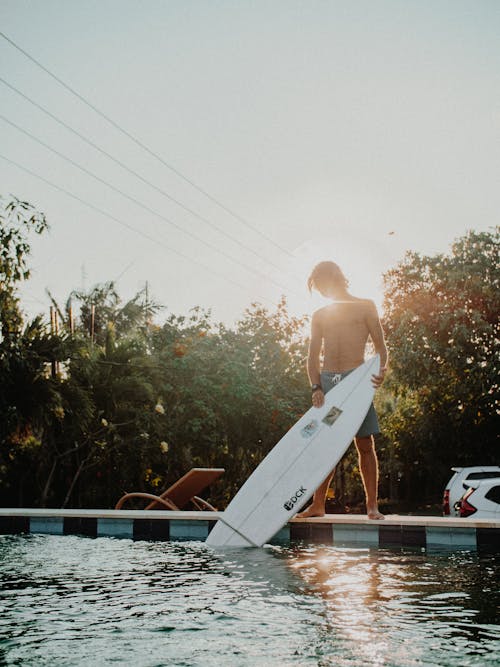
(124, 271)
(146, 148)
(135, 173)
(131, 227)
(139, 203)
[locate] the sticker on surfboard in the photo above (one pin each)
(309, 429)
(332, 415)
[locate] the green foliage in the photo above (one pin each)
(230, 394)
(29, 395)
(442, 326)
(189, 393)
(18, 220)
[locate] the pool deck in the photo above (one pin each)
(338, 529)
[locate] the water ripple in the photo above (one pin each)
(80, 601)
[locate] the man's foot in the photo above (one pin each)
(311, 511)
(375, 515)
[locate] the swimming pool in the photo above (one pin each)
(68, 600)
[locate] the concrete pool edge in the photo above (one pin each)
(430, 532)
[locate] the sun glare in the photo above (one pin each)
(359, 260)
(352, 583)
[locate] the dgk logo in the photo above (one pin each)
(290, 504)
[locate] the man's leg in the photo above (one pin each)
(317, 507)
(368, 465)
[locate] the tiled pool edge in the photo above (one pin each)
(340, 530)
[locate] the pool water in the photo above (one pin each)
(80, 601)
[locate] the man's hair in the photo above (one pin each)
(326, 273)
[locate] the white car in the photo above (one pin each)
(481, 500)
(459, 483)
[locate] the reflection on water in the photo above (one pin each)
(80, 601)
(389, 608)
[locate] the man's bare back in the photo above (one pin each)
(346, 327)
(343, 328)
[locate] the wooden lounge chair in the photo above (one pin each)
(185, 490)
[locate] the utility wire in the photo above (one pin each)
(131, 227)
(141, 204)
(146, 148)
(135, 173)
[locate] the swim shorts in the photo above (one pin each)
(370, 424)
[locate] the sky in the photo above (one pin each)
(346, 130)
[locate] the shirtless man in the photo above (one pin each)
(343, 328)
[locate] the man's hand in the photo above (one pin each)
(318, 398)
(378, 379)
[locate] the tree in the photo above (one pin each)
(29, 395)
(102, 306)
(229, 394)
(18, 221)
(101, 445)
(441, 318)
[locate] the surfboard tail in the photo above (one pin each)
(224, 535)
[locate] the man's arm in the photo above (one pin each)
(313, 366)
(377, 336)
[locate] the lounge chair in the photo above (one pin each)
(185, 490)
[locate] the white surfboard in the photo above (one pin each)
(297, 465)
